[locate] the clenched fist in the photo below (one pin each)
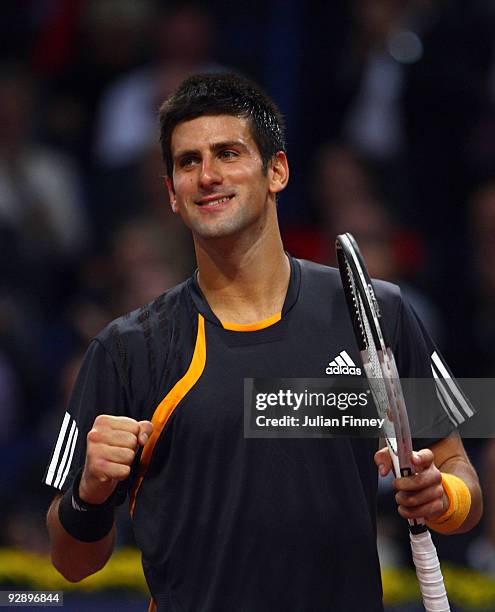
(111, 447)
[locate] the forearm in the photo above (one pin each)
(74, 559)
(451, 458)
(81, 521)
(462, 468)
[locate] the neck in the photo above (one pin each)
(244, 280)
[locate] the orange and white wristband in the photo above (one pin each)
(459, 505)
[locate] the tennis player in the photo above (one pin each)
(227, 523)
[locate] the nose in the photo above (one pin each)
(210, 174)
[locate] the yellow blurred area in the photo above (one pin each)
(466, 588)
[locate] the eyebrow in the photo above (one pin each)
(215, 147)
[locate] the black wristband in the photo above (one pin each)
(83, 521)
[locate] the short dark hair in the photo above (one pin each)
(223, 94)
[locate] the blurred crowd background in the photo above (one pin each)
(390, 110)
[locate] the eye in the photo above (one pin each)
(188, 160)
(228, 154)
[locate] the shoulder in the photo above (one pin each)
(141, 345)
(327, 278)
(146, 327)
(322, 292)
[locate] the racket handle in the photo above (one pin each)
(429, 573)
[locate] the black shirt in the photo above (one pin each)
(228, 523)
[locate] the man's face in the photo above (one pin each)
(219, 186)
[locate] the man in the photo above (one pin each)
(225, 522)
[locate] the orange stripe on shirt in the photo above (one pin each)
(248, 327)
(168, 404)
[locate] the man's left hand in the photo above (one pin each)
(421, 495)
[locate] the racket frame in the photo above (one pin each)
(360, 296)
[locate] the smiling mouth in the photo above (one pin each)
(208, 202)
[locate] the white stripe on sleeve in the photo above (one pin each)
(69, 462)
(452, 385)
(448, 401)
(445, 407)
(61, 467)
(58, 447)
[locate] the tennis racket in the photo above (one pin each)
(383, 378)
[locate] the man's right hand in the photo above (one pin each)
(111, 447)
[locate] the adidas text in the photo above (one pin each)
(349, 370)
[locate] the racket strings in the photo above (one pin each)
(364, 326)
(357, 304)
(371, 359)
(373, 366)
(367, 337)
(375, 370)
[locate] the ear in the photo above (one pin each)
(171, 195)
(278, 172)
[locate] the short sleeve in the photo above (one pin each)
(435, 402)
(99, 389)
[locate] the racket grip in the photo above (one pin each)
(429, 573)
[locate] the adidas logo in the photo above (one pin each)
(343, 364)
